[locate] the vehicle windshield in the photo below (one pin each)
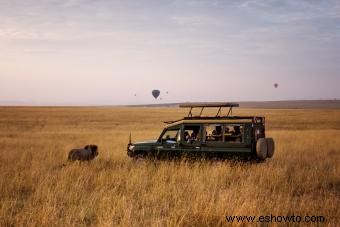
(171, 135)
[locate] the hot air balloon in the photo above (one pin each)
(276, 85)
(156, 93)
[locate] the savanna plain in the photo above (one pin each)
(38, 187)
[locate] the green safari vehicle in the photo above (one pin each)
(218, 136)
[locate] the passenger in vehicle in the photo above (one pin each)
(186, 136)
(227, 134)
(237, 134)
(195, 135)
(237, 131)
(226, 130)
(217, 133)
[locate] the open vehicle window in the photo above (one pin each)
(213, 133)
(192, 133)
(233, 133)
(227, 133)
(172, 135)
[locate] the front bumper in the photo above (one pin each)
(130, 151)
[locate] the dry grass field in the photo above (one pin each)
(36, 189)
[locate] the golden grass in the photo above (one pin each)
(36, 189)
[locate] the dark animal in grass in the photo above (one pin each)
(89, 152)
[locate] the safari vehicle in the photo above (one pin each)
(219, 136)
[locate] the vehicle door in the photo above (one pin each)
(169, 142)
(191, 139)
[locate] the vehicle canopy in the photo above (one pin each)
(218, 118)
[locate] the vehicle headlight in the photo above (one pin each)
(131, 147)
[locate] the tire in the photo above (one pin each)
(261, 149)
(270, 147)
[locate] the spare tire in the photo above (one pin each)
(270, 147)
(261, 149)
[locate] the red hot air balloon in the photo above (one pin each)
(276, 85)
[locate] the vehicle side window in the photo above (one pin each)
(172, 134)
(192, 133)
(213, 132)
(228, 133)
(234, 133)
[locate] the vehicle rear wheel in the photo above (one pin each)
(261, 149)
(270, 147)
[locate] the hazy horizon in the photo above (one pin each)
(82, 52)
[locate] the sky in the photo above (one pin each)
(108, 52)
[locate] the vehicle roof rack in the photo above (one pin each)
(218, 105)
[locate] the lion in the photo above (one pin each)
(88, 153)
